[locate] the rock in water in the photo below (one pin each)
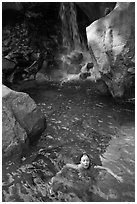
(13, 135)
(22, 121)
(111, 42)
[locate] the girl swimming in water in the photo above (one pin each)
(86, 164)
(86, 180)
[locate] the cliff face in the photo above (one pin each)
(111, 41)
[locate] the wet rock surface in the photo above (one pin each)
(113, 47)
(78, 120)
(26, 39)
(22, 121)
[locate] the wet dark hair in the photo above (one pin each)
(84, 154)
(90, 159)
(94, 159)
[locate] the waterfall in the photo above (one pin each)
(74, 53)
(70, 33)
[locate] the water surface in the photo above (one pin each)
(78, 120)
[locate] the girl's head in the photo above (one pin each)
(85, 161)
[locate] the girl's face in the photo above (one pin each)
(85, 161)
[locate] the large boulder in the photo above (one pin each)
(14, 137)
(111, 42)
(22, 121)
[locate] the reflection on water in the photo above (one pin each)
(78, 120)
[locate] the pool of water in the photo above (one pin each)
(78, 120)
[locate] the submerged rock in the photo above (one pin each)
(111, 41)
(22, 121)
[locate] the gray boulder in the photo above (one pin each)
(111, 42)
(22, 121)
